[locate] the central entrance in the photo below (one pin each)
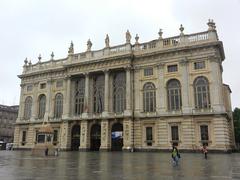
(95, 137)
(117, 137)
(75, 143)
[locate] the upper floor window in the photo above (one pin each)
(201, 91)
(119, 92)
(148, 71)
(98, 94)
(41, 106)
(59, 83)
(172, 68)
(79, 96)
(58, 107)
(28, 108)
(149, 97)
(174, 95)
(43, 86)
(29, 88)
(199, 65)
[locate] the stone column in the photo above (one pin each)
(106, 93)
(128, 112)
(65, 136)
(137, 91)
(35, 102)
(185, 87)
(21, 104)
(162, 91)
(67, 99)
(105, 144)
(84, 144)
(215, 86)
(86, 96)
(48, 100)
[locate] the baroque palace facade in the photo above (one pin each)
(141, 96)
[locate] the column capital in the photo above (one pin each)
(106, 71)
(160, 65)
(128, 67)
(86, 74)
(184, 61)
(66, 77)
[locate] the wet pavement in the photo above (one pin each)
(117, 165)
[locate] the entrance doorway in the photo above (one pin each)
(117, 137)
(75, 143)
(95, 137)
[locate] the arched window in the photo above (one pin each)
(79, 96)
(201, 91)
(28, 108)
(42, 106)
(58, 106)
(149, 97)
(98, 94)
(174, 95)
(119, 92)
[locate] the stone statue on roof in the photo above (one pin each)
(107, 41)
(89, 45)
(128, 37)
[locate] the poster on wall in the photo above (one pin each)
(117, 135)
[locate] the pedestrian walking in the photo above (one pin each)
(175, 155)
(205, 151)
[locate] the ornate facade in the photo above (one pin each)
(141, 96)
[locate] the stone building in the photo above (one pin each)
(8, 116)
(141, 96)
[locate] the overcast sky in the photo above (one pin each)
(32, 27)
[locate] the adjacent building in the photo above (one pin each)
(8, 116)
(141, 96)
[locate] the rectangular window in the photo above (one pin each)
(172, 68)
(175, 136)
(29, 88)
(199, 65)
(149, 136)
(41, 138)
(59, 83)
(204, 134)
(43, 86)
(148, 71)
(24, 134)
(55, 137)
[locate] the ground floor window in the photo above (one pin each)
(175, 135)
(204, 134)
(55, 137)
(24, 135)
(149, 136)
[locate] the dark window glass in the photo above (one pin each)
(43, 86)
(42, 106)
(98, 98)
(175, 136)
(149, 97)
(79, 96)
(172, 68)
(41, 138)
(28, 108)
(204, 132)
(201, 91)
(199, 65)
(148, 71)
(149, 136)
(58, 107)
(174, 95)
(119, 92)
(24, 134)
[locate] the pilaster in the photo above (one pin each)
(128, 111)
(106, 94)
(86, 96)
(128, 134)
(67, 99)
(161, 103)
(105, 135)
(84, 144)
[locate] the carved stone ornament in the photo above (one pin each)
(89, 45)
(71, 48)
(107, 41)
(128, 37)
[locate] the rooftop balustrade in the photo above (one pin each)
(160, 44)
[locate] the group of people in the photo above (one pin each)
(176, 155)
(56, 151)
